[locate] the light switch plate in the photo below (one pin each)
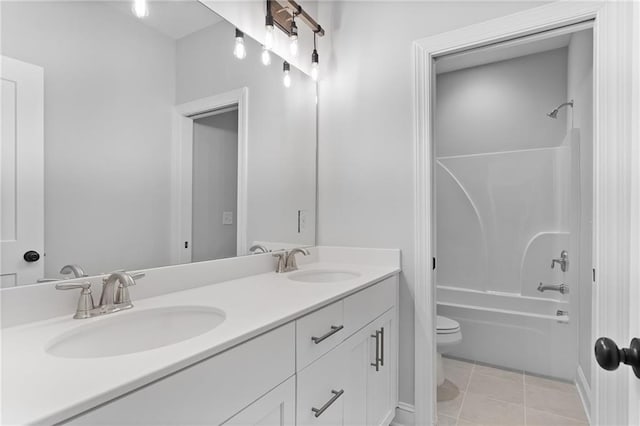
(227, 218)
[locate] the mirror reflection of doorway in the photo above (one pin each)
(215, 185)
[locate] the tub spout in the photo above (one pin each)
(562, 288)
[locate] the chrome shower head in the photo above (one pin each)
(554, 114)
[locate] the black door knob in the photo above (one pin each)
(609, 356)
(31, 256)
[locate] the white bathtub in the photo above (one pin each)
(513, 331)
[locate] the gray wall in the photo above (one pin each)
(502, 106)
(215, 186)
(109, 90)
(366, 129)
(282, 128)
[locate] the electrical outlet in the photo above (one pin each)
(227, 218)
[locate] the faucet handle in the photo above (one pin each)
(85, 303)
(281, 261)
(138, 275)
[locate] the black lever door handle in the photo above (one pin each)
(609, 356)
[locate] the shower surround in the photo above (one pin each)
(501, 219)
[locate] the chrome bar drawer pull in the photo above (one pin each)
(377, 363)
(334, 330)
(336, 394)
(382, 346)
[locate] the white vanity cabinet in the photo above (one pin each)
(355, 383)
(334, 366)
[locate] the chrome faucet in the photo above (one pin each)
(290, 262)
(76, 270)
(258, 248)
(112, 299)
(563, 261)
(280, 266)
(562, 288)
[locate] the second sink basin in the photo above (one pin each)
(135, 331)
(323, 276)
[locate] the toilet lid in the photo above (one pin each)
(446, 325)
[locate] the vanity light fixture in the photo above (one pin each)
(140, 8)
(286, 78)
(293, 37)
(266, 56)
(315, 65)
(239, 50)
(268, 28)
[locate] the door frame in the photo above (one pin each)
(182, 170)
(616, 236)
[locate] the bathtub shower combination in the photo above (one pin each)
(504, 222)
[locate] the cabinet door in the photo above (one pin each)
(277, 408)
(358, 359)
(322, 390)
(381, 381)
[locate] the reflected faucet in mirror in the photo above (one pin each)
(258, 248)
(76, 270)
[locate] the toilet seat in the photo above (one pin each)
(446, 325)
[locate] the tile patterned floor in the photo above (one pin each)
(475, 394)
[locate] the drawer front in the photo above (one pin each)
(209, 392)
(322, 390)
(363, 307)
(318, 333)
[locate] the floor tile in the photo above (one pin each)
(447, 391)
(561, 403)
(543, 418)
(497, 387)
(446, 421)
(530, 379)
(451, 408)
(480, 409)
(498, 372)
(457, 372)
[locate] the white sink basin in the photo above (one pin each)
(135, 331)
(323, 276)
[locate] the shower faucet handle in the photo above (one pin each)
(563, 261)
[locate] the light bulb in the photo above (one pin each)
(266, 56)
(286, 78)
(140, 8)
(239, 50)
(268, 32)
(293, 38)
(315, 66)
(293, 47)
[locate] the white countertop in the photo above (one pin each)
(41, 388)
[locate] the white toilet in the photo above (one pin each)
(448, 334)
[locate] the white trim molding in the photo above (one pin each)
(184, 115)
(405, 415)
(616, 189)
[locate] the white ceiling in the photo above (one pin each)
(176, 19)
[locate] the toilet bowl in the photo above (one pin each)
(448, 334)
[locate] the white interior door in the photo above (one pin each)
(22, 168)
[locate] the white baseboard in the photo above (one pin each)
(584, 390)
(405, 415)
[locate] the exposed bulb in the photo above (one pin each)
(293, 47)
(268, 37)
(140, 8)
(266, 56)
(286, 78)
(293, 38)
(315, 66)
(239, 50)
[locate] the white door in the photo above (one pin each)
(22, 168)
